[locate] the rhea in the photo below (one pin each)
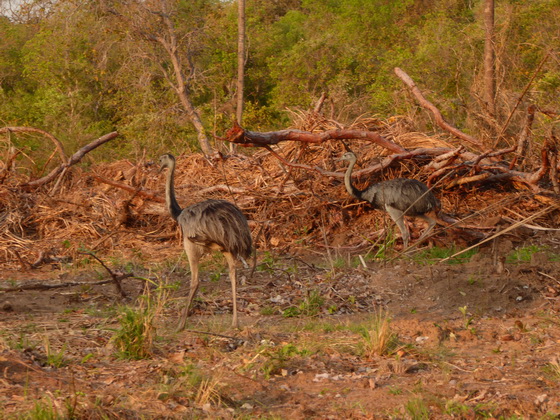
(398, 197)
(211, 225)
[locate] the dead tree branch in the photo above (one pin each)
(52, 138)
(43, 286)
(75, 158)
(246, 138)
(116, 277)
(468, 167)
(523, 140)
(136, 191)
(437, 114)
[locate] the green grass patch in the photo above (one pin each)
(433, 255)
(310, 306)
(525, 254)
(278, 357)
(417, 409)
(135, 338)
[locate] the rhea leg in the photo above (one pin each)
(193, 255)
(398, 218)
(431, 223)
(233, 278)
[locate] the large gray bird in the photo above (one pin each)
(211, 225)
(399, 197)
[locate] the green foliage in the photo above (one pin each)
(55, 359)
(310, 306)
(278, 357)
(268, 262)
(525, 254)
(43, 410)
(417, 409)
(467, 319)
(78, 72)
(135, 337)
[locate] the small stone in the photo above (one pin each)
(320, 376)
(541, 399)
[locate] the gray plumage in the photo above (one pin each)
(211, 225)
(398, 197)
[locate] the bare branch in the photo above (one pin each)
(75, 158)
(246, 138)
(136, 191)
(52, 138)
(437, 114)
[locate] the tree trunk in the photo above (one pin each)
(240, 60)
(181, 82)
(489, 58)
(152, 22)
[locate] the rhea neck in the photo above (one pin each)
(170, 200)
(352, 190)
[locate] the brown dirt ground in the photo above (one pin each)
(500, 359)
(496, 360)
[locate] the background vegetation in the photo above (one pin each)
(81, 69)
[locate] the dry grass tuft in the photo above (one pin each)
(378, 338)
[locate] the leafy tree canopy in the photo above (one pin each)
(80, 69)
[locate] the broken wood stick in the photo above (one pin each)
(136, 191)
(116, 278)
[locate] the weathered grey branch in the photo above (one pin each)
(75, 158)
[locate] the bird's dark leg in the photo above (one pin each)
(233, 278)
(398, 218)
(193, 256)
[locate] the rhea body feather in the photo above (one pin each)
(217, 225)
(210, 225)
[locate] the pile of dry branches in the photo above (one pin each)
(291, 189)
